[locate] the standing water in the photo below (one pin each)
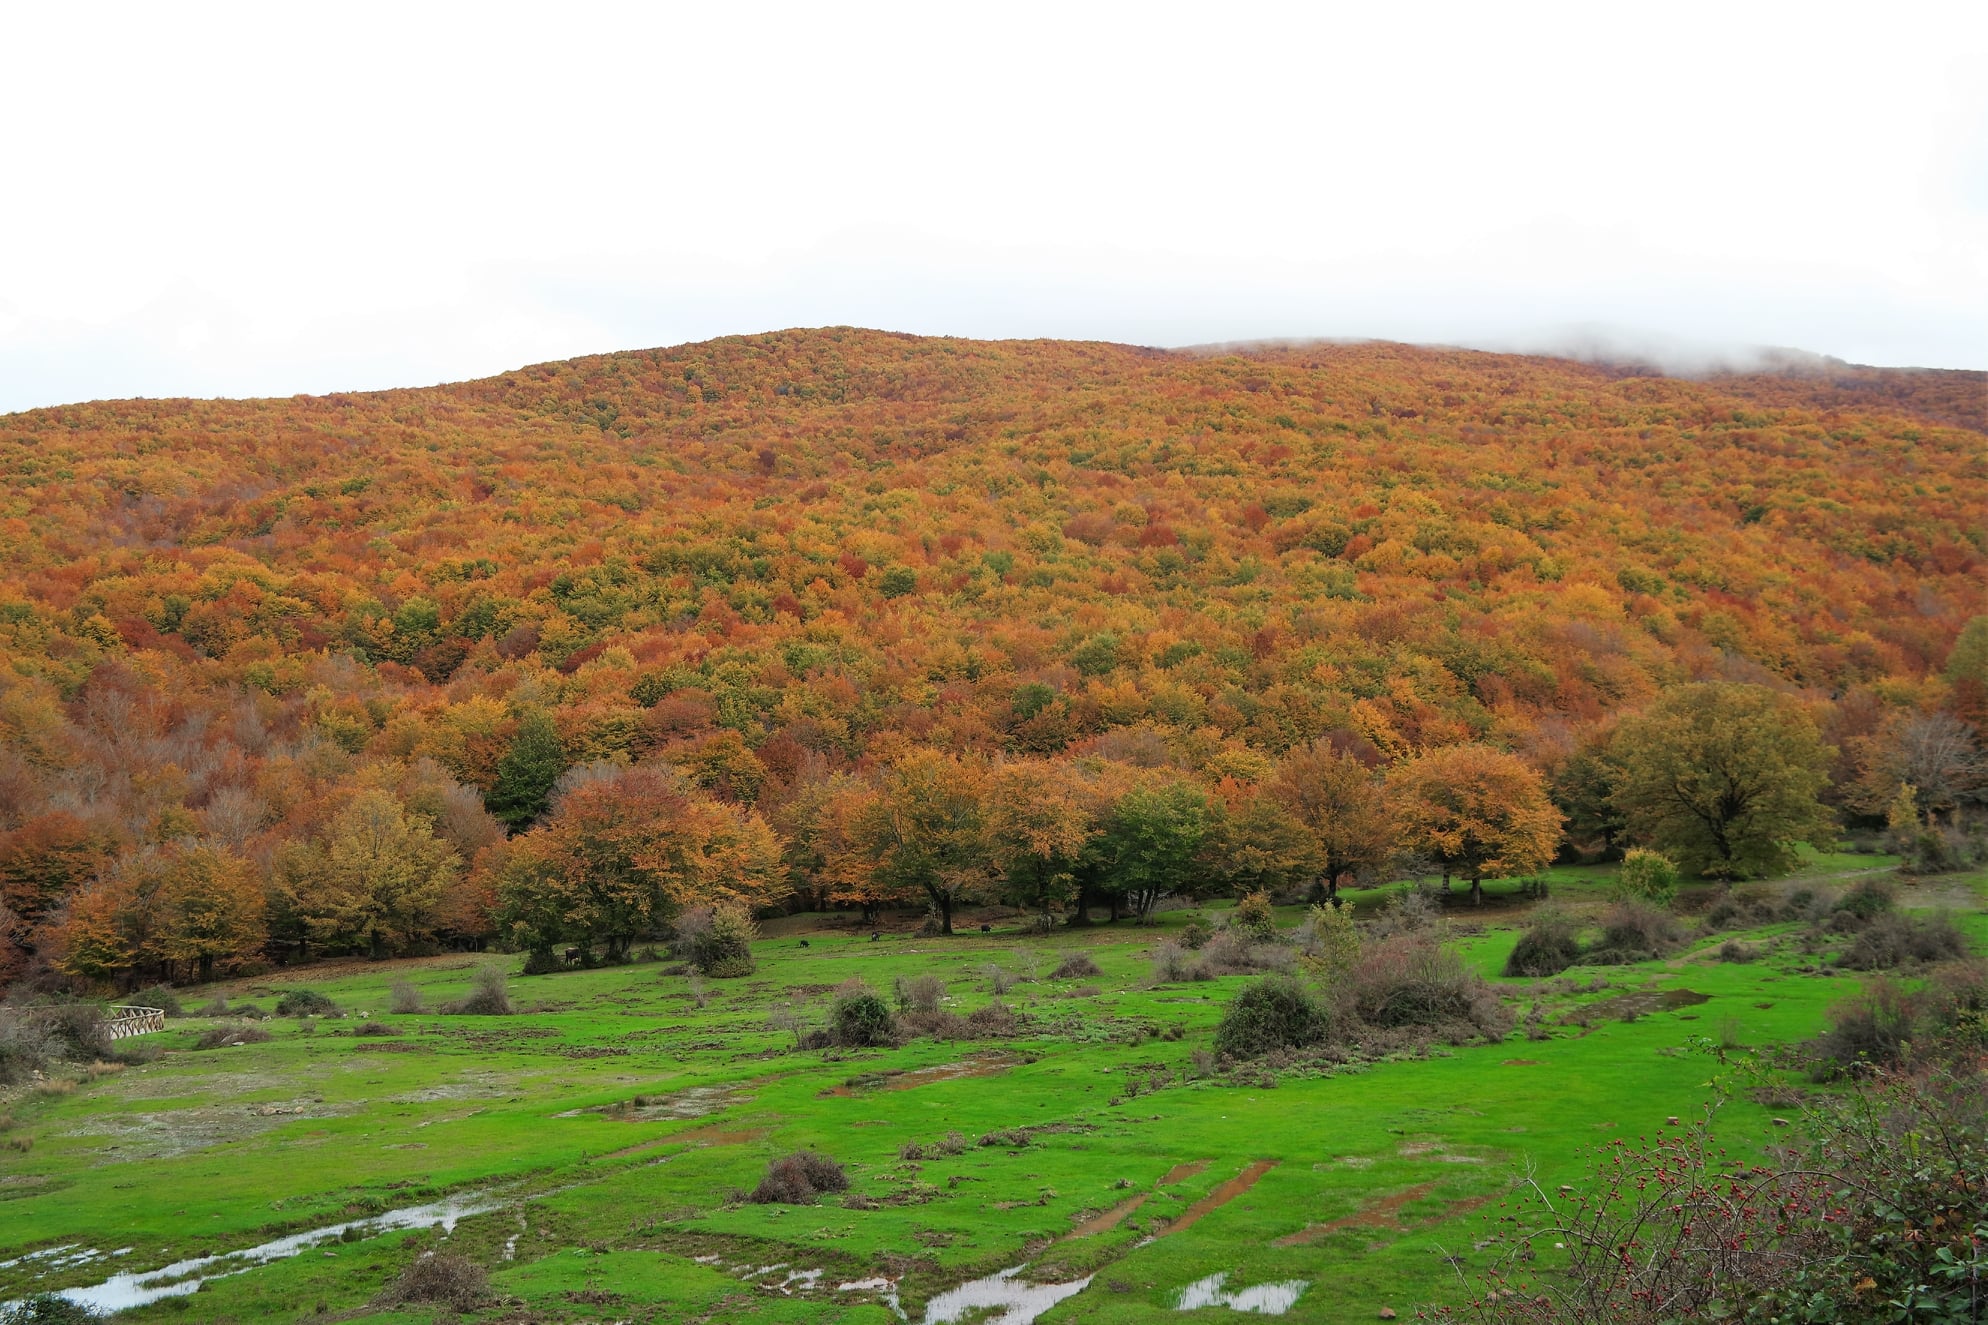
(121, 1292)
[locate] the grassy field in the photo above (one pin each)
(593, 1139)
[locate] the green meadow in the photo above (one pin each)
(594, 1144)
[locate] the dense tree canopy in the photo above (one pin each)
(791, 570)
(1724, 777)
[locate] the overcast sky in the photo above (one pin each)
(280, 198)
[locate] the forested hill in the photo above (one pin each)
(768, 560)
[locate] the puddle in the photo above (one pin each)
(1263, 1299)
(175, 1132)
(1018, 1301)
(1221, 1196)
(984, 1065)
(694, 1102)
(1624, 1007)
(121, 1292)
(1110, 1219)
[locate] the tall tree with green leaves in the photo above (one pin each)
(1723, 777)
(527, 772)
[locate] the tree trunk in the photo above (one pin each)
(1476, 891)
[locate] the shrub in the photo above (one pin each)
(1866, 1214)
(487, 997)
(1892, 939)
(1330, 940)
(994, 1020)
(723, 950)
(305, 1003)
(160, 997)
(375, 1028)
(1412, 980)
(1635, 932)
(1077, 965)
(1732, 950)
(858, 1018)
(1866, 901)
(1408, 912)
(441, 1277)
(222, 1037)
(1275, 1012)
(1253, 917)
(1195, 933)
(1173, 964)
(799, 1179)
(404, 999)
(1647, 876)
(922, 993)
(1233, 952)
(1549, 947)
(1001, 981)
(49, 1308)
(1743, 908)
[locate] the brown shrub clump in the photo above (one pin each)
(799, 1179)
(440, 1277)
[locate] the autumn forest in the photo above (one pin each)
(848, 620)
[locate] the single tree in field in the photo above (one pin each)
(927, 830)
(1255, 844)
(1341, 804)
(1723, 778)
(1935, 754)
(527, 772)
(1151, 844)
(1039, 821)
(209, 910)
(375, 882)
(1477, 811)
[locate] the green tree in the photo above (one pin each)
(1723, 777)
(1151, 844)
(527, 772)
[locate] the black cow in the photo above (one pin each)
(804, 943)
(572, 956)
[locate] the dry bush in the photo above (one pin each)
(1891, 939)
(1881, 1205)
(1076, 966)
(1549, 947)
(222, 1037)
(921, 993)
(1732, 950)
(1412, 980)
(992, 1021)
(442, 1278)
(1409, 912)
(375, 1028)
(801, 1178)
(405, 999)
(1885, 1024)
(1000, 980)
(1173, 964)
(1635, 932)
(487, 997)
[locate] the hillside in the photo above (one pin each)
(769, 559)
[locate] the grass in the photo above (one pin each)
(1387, 1168)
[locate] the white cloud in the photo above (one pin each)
(266, 199)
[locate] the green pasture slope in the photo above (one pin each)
(1372, 1185)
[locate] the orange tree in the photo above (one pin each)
(1476, 811)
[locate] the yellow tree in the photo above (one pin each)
(1038, 823)
(375, 881)
(927, 830)
(1476, 811)
(1342, 805)
(209, 909)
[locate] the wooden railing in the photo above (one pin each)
(124, 1021)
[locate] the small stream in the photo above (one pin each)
(121, 1292)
